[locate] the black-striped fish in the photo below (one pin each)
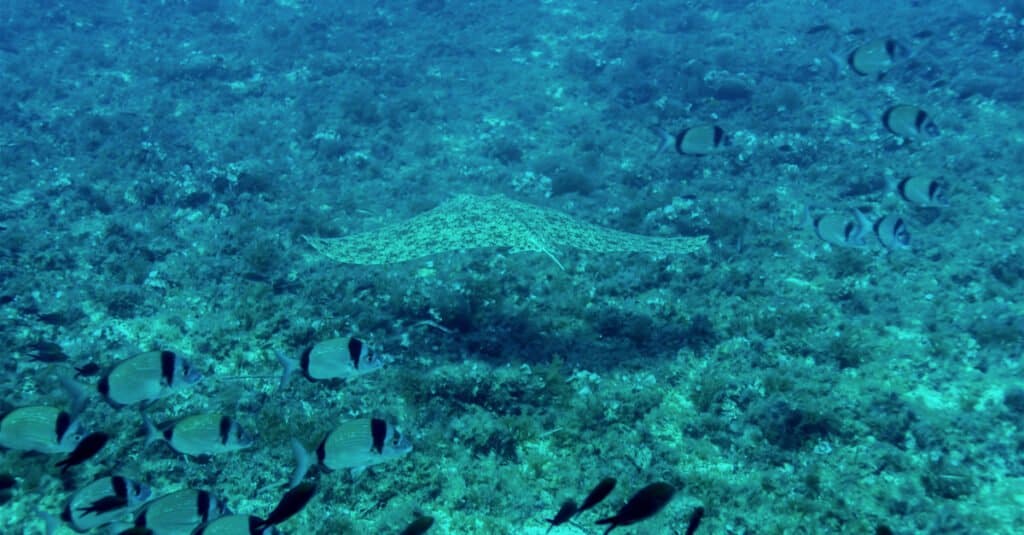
(842, 230)
(337, 358)
(353, 445)
(180, 512)
(147, 377)
(290, 504)
(700, 140)
(104, 501)
(909, 122)
(40, 429)
(876, 58)
(892, 232)
(922, 191)
(200, 434)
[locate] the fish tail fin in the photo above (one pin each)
(152, 433)
(63, 464)
(52, 522)
(258, 524)
(808, 221)
(664, 139)
(892, 183)
(288, 367)
(837, 61)
(76, 393)
(836, 54)
(865, 226)
(302, 463)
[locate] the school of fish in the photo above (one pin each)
(120, 504)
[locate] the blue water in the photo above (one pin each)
(809, 370)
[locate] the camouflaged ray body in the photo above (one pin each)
(474, 222)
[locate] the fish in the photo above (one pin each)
(694, 522)
(922, 191)
(337, 358)
(200, 434)
(88, 370)
(234, 525)
(419, 526)
(41, 429)
(909, 122)
(596, 496)
(892, 232)
(86, 449)
(700, 140)
(48, 352)
(290, 504)
(147, 377)
(105, 504)
(564, 514)
(842, 230)
(643, 505)
(104, 501)
(876, 58)
(180, 512)
(354, 445)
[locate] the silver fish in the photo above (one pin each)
(892, 232)
(700, 140)
(290, 504)
(104, 501)
(41, 429)
(180, 512)
(236, 525)
(922, 191)
(353, 445)
(147, 377)
(876, 58)
(337, 358)
(200, 435)
(909, 122)
(842, 230)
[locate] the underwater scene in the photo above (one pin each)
(566, 267)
